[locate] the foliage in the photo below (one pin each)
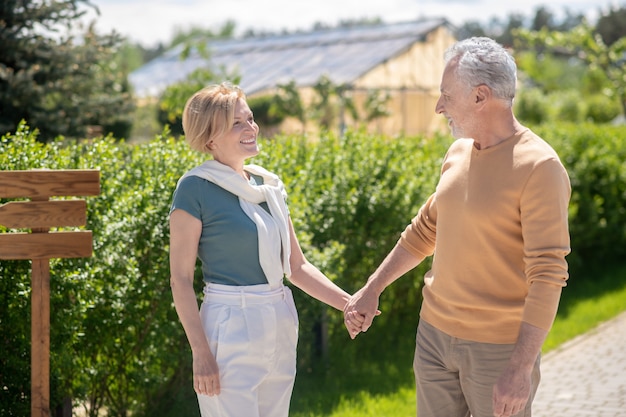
(376, 105)
(59, 84)
(531, 106)
(503, 30)
(289, 102)
(173, 99)
(594, 156)
(549, 72)
(196, 36)
(611, 26)
(116, 344)
(582, 43)
(266, 113)
(602, 108)
(114, 337)
(329, 105)
(570, 106)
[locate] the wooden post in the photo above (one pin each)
(40, 339)
(40, 215)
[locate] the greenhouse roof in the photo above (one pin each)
(342, 54)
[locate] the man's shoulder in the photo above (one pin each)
(535, 147)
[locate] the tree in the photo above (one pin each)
(376, 104)
(469, 29)
(543, 19)
(331, 103)
(195, 42)
(172, 101)
(198, 34)
(612, 25)
(58, 84)
(585, 44)
(515, 21)
(289, 102)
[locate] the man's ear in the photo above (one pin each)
(482, 94)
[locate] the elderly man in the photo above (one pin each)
(497, 228)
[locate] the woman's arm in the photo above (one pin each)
(185, 233)
(310, 280)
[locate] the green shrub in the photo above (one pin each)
(603, 108)
(266, 112)
(115, 340)
(116, 343)
(594, 156)
(531, 106)
(568, 106)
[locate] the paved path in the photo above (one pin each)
(586, 377)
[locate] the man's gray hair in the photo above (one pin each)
(484, 61)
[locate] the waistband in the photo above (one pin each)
(243, 295)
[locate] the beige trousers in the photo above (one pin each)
(455, 377)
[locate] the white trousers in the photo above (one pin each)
(253, 333)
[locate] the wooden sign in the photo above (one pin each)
(40, 214)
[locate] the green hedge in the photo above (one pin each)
(594, 156)
(116, 343)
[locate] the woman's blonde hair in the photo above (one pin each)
(210, 113)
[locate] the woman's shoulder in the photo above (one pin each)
(201, 188)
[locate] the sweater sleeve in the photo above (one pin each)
(544, 217)
(419, 236)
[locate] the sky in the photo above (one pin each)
(150, 22)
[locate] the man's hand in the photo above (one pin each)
(360, 311)
(511, 392)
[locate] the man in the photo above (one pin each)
(498, 229)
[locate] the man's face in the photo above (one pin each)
(455, 103)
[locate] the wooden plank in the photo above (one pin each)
(48, 183)
(36, 214)
(40, 338)
(46, 245)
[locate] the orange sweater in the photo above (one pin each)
(498, 228)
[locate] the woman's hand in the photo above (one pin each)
(206, 375)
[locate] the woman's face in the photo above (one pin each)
(240, 142)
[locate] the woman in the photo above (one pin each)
(233, 217)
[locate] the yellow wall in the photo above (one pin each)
(412, 81)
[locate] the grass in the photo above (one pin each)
(383, 386)
(587, 302)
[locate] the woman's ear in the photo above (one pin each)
(210, 145)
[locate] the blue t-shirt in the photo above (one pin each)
(229, 244)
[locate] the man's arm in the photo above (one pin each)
(512, 390)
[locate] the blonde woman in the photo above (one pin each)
(233, 217)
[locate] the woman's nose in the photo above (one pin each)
(253, 125)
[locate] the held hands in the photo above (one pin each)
(360, 311)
